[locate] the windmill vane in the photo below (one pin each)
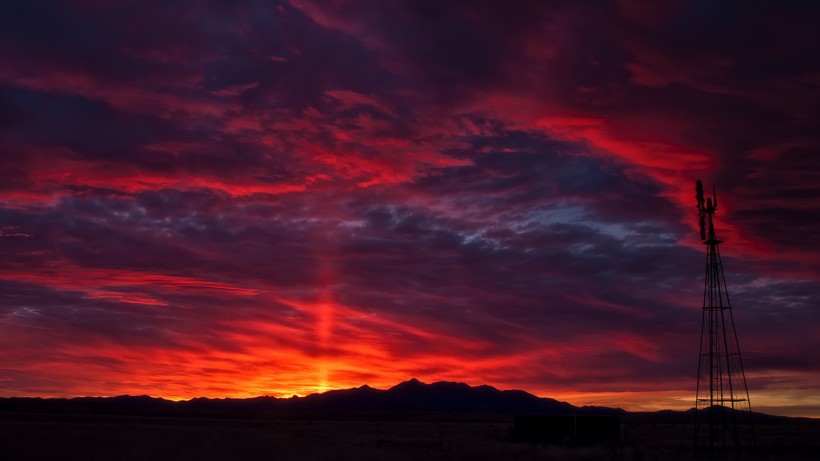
(705, 207)
(701, 217)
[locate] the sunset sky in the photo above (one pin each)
(242, 198)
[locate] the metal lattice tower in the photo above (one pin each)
(723, 409)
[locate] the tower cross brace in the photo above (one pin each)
(722, 404)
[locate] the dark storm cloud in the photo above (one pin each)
(727, 88)
(192, 97)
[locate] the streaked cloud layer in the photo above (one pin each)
(260, 197)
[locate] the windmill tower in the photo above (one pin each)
(723, 409)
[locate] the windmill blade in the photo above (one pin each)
(699, 194)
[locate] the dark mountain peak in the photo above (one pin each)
(486, 388)
(412, 383)
(136, 398)
(415, 384)
(452, 385)
(124, 399)
(361, 390)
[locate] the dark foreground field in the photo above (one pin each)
(411, 436)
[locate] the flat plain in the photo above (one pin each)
(352, 436)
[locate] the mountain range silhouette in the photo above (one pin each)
(407, 397)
